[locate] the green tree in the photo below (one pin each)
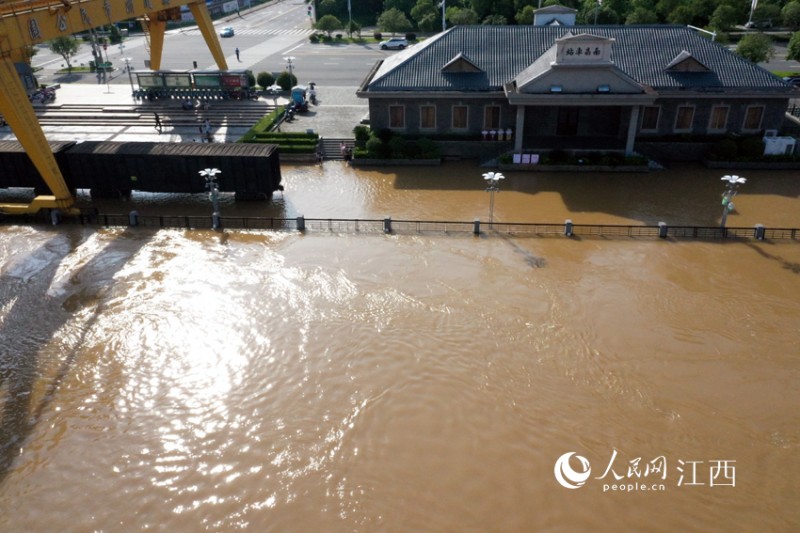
(66, 47)
(115, 35)
(755, 47)
(724, 18)
(641, 15)
(265, 79)
(496, 19)
(328, 24)
(430, 23)
(682, 15)
(286, 80)
(793, 50)
(393, 20)
(791, 15)
(404, 6)
(525, 15)
(354, 27)
(461, 16)
(768, 13)
(423, 11)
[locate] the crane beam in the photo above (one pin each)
(31, 23)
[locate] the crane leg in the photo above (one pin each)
(156, 28)
(203, 19)
(18, 112)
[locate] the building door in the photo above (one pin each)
(567, 121)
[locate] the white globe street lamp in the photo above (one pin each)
(727, 197)
(210, 174)
(492, 179)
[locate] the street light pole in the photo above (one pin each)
(127, 61)
(597, 10)
(492, 178)
(210, 174)
(289, 64)
(727, 197)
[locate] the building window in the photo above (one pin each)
(684, 118)
(491, 117)
(650, 116)
(397, 116)
(427, 117)
(460, 117)
(719, 118)
(753, 117)
(567, 121)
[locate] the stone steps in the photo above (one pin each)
(331, 147)
(229, 113)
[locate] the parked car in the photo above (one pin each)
(227, 31)
(397, 43)
(794, 81)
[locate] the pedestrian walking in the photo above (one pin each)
(237, 54)
(158, 123)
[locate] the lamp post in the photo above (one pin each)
(727, 197)
(597, 10)
(492, 179)
(289, 64)
(210, 174)
(127, 61)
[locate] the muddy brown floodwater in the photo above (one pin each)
(269, 381)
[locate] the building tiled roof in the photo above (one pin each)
(502, 52)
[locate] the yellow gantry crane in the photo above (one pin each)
(24, 23)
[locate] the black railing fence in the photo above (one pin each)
(389, 225)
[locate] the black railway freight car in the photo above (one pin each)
(17, 170)
(116, 168)
(108, 168)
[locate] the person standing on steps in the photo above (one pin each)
(158, 123)
(237, 54)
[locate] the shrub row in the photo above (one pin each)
(737, 149)
(385, 144)
(378, 36)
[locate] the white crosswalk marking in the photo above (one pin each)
(293, 31)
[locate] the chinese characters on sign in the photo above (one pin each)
(578, 51)
(638, 475)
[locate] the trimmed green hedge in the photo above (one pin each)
(264, 125)
(291, 142)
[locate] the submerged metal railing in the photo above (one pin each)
(389, 225)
